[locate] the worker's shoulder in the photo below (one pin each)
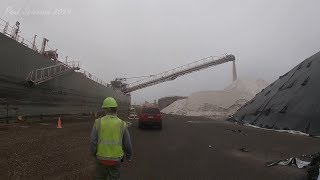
(122, 121)
(98, 119)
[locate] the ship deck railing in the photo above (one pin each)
(9, 31)
(93, 77)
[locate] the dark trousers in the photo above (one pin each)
(104, 172)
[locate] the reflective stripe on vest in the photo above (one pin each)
(110, 133)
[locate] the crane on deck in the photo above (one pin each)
(172, 74)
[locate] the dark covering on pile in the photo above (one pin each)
(289, 103)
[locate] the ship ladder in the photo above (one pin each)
(45, 74)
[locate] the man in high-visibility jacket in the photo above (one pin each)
(110, 142)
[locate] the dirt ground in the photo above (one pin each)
(186, 148)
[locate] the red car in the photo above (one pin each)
(150, 116)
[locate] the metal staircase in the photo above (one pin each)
(45, 74)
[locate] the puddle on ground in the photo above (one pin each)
(24, 126)
(200, 122)
(4, 129)
(246, 155)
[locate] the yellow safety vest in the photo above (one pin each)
(110, 133)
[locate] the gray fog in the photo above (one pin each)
(125, 38)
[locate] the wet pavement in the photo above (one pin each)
(183, 149)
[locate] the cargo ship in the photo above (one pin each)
(34, 82)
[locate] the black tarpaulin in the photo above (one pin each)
(290, 103)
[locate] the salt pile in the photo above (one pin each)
(217, 104)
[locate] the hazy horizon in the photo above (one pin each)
(127, 39)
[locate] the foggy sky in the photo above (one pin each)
(125, 38)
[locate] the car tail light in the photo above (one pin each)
(142, 116)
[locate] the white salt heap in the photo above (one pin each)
(217, 104)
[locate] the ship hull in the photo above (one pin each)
(71, 93)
